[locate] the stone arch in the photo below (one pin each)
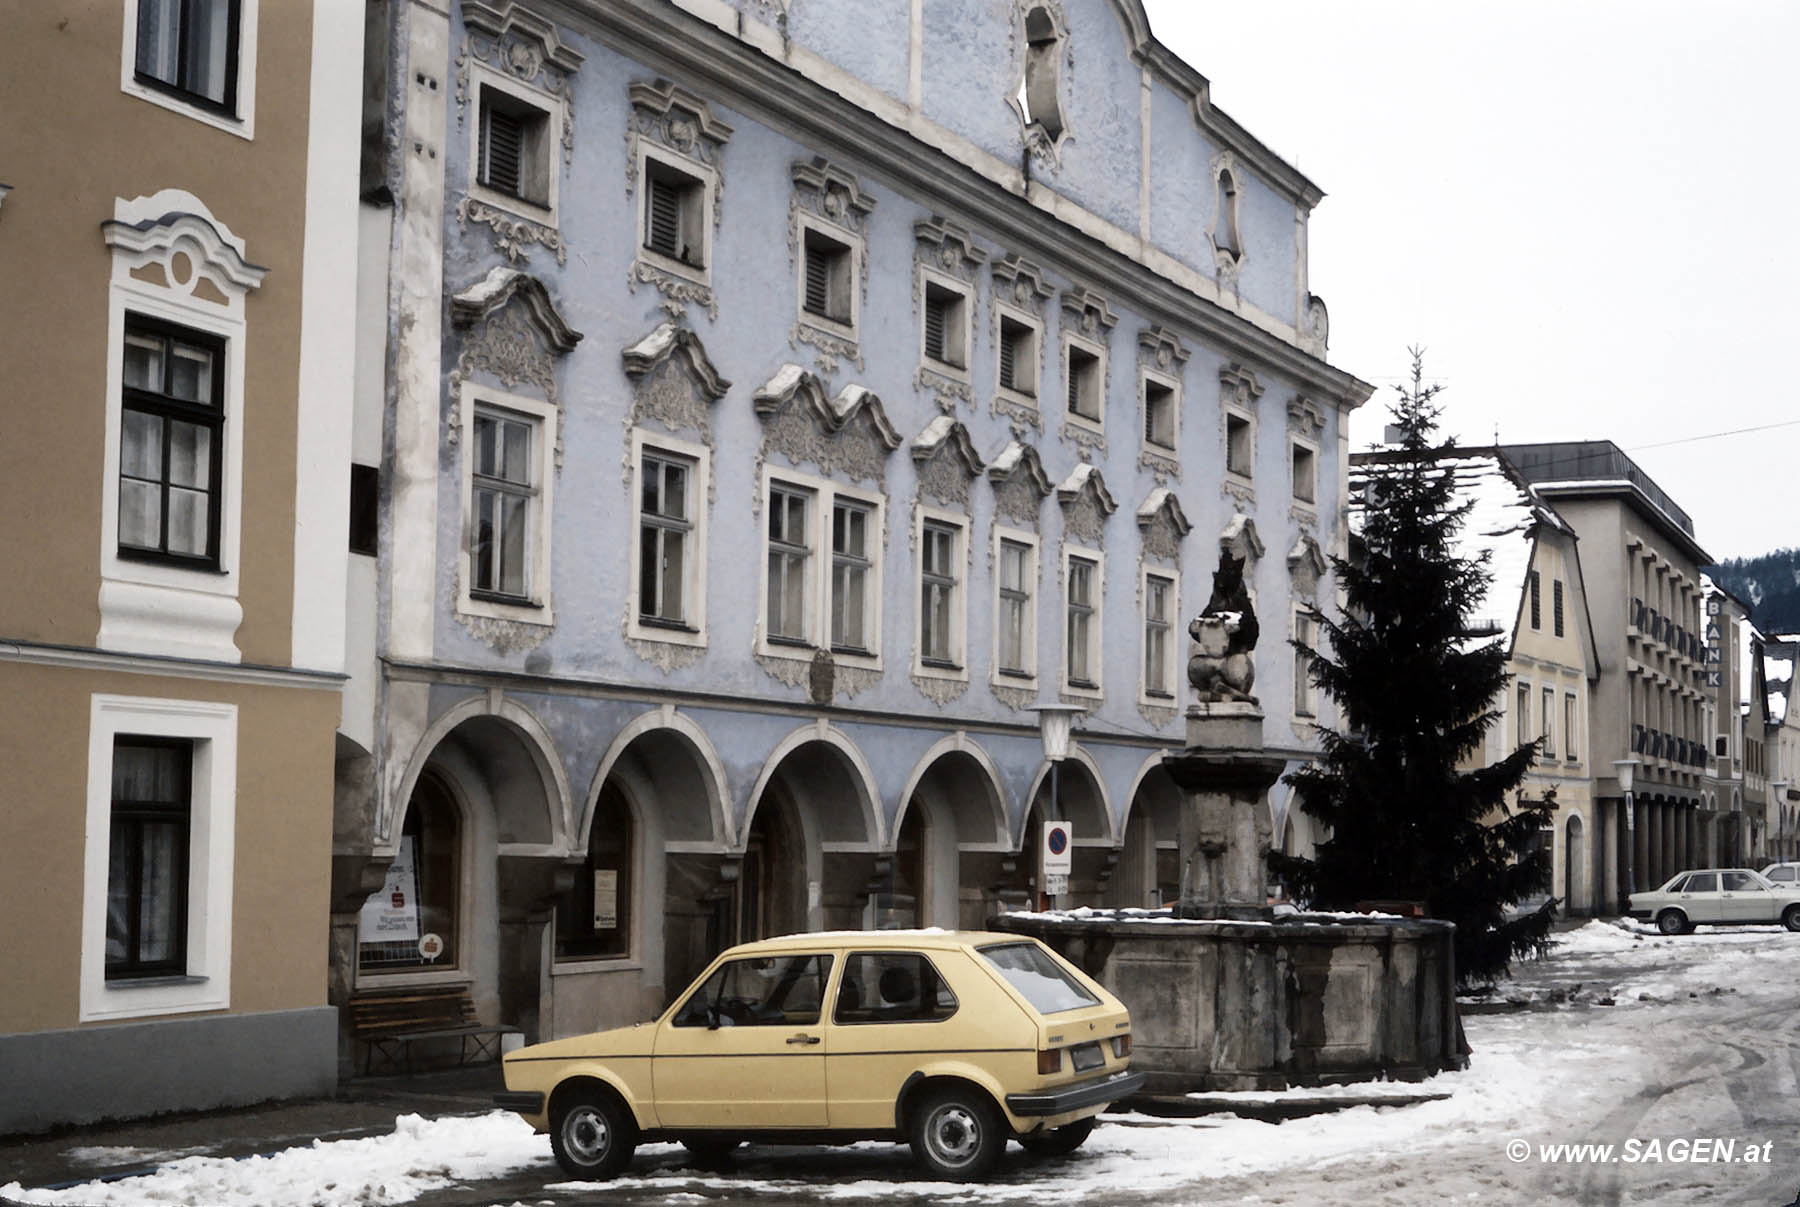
(960, 744)
(952, 820)
(856, 774)
(1150, 854)
(505, 738)
(1083, 800)
(671, 739)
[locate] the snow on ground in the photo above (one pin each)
(1540, 1074)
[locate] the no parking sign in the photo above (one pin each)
(1058, 854)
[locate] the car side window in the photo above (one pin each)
(1702, 882)
(1741, 882)
(762, 991)
(892, 987)
(1781, 875)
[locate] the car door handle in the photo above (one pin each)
(803, 1039)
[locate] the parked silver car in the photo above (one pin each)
(1718, 897)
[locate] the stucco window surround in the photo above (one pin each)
(538, 118)
(690, 628)
(1226, 231)
(675, 153)
(211, 728)
(1306, 429)
(830, 567)
(174, 263)
(1083, 621)
(532, 604)
(1087, 324)
(827, 224)
(235, 116)
(1306, 694)
(1162, 359)
(1159, 661)
(1239, 391)
(1042, 35)
(945, 291)
(1017, 579)
(1016, 327)
(941, 595)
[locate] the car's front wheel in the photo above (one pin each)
(957, 1135)
(1673, 922)
(1059, 1141)
(1790, 917)
(591, 1135)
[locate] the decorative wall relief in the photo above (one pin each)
(940, 691)
(1020, 484)
(666, 656)
(1087, 314)
(512, 234)
(1306, 566)
(674, 381)
(1315, 329)
(1239, 390)
(849, 435)
(946, 462)
(1086, 503)
(829, 195)
(680, 125)
(1305, 417)
(512, 332)
(1019, 284)
(1162, 525)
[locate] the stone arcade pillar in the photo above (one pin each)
(1224, 775)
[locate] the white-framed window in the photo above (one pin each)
(1547, 716)
(1161, 592)
(508, 481)
(1082, 593)
(675, 230)
(1303, 470)
(942, 624)
(821, 568)
(1572, 748)
(1015, 607)
(1017, 341)
(172, 481)
(196, 57)
(1522, 714)
(668, 541)
(1084, 378)
(515, 145)
(944, 324)
(1240, 443)
(157, 879)
(1162, 413)
(829, 291)
(1305, 694)
(787, 607)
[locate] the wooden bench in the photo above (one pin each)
(389, 1023)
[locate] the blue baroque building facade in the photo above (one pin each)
(761, 406)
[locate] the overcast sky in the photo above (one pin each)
(1584, 211)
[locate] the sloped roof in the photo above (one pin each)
(1502, 522)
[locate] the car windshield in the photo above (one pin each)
(1041, 980)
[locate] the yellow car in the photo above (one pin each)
(951, 1041)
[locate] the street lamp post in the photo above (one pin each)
(1627, 768)
(1055, 721)
(1778, 793)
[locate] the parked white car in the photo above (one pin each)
(1717, 897)
(1782, 875)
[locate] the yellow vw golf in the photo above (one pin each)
(951, 1041)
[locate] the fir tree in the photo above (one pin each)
(1416, 692)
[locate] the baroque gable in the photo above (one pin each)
(673, 380)
(1163, 524)
(946, 462)
(1086, 503)
(1306, 566)
(509, 329)
(1020, 483)
(849, 434)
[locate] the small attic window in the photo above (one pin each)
(1225, 229)
(1039, 95)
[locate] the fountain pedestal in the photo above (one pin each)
(1224, 775)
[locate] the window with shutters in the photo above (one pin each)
(514, 156)
(1159, 414)
(945, 326)
(1537, 612)
(827, 278)
(1556, 605)
(1082, 377)
(668, 544)
(1016, 348)
(675, 228)
(1303, 463)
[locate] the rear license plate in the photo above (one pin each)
(1086, 1056)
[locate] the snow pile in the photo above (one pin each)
(1597, 937)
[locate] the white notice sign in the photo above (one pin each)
(606, 899)
(392, 914)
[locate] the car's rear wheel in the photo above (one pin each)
(1059, 1141)
(591, 1135)
(1790, 917)
(710, 1150)
(1673, 922)
(957, 1135)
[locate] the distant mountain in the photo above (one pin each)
(1770, 584)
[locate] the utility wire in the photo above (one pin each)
(1713, 435)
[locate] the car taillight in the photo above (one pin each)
(1050, 1062)
(1122, 1045)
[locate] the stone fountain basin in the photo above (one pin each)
(1289, 999)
